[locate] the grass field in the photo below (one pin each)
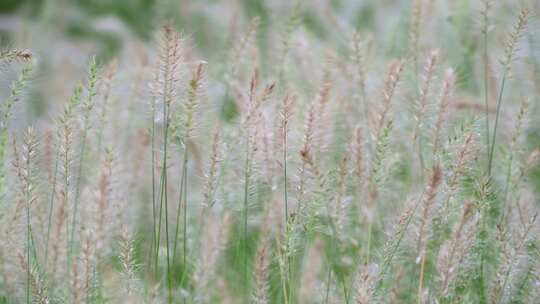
(249, 151)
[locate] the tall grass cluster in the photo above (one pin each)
(351, 169)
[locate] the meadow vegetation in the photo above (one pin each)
(308, 157)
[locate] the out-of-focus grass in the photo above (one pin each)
(346, 224)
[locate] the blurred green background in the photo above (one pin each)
(76, 18)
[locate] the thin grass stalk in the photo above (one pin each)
(164, 200)
(511, 46)
(169, 61)
(182, 209)
(88, 105)
(521, 115)
(153, 257)
(3, 148)
(286, 113)
(28, 240)
(285, 181)
(328, 279)
(499, 103)
(484, 194)
(51, 206)
(282, 273)
(165, 66)
(245, 211)
(66, 136)
(485, 29)
(185, 222)
(186, 124)
(153, 169)
(180, 200)
(63, 121)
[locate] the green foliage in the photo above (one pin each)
(229, 109)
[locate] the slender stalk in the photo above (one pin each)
(508, 178)
(499, 103)
(184, 246)
(246, 194)
(421, 279)
(163, 187)
(152, 163)
(169, 61)
(164, 199)
(3, 144)
(88, 105)
(326, 297)
(179, 209)
(182, 200)
(511, 45)
(486, 80)
(78, 185)
(66, 136)
(515, 137)
(285, 195)
(28, 242)
(481, 278)
(160, 216)
(285, 116)
(51, 207)
(286, 296)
